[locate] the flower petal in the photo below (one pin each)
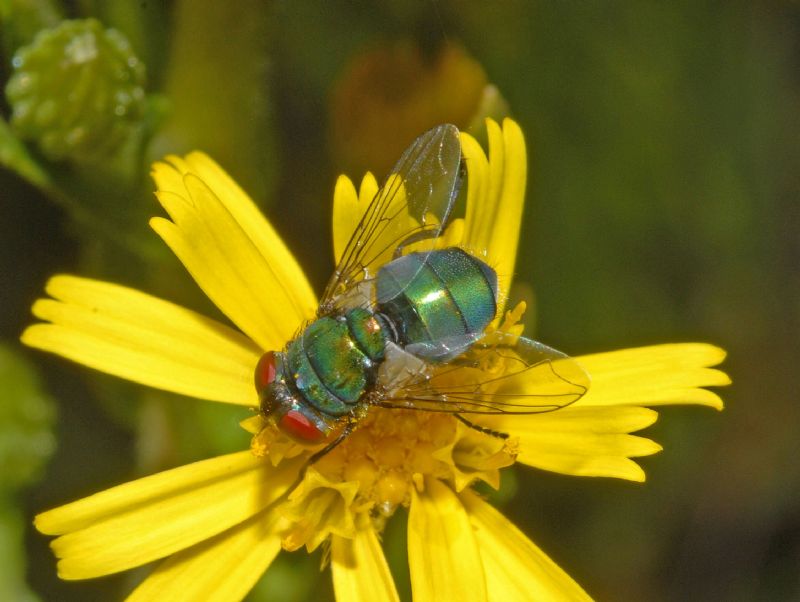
(105, 533)
(480, 210)
(345, 210)
(348, 209)
(598, 420)
(516, 570)
(231, 251)
(144, 339)
(587, 455)
(442, 551)
(584, 442)
(360, 572)
(494, 209)
(590, 438)
(221, 569)
(656, 375)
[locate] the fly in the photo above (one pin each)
(402, 324)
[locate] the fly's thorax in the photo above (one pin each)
(368, 333)
(333, 361)
(445, 294)
(323, 375)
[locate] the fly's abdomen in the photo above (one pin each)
(333, 362)
(440, 295)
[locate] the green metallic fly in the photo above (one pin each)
(409, 333)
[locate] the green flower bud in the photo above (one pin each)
(77, 90)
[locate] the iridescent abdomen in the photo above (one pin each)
(443, 295)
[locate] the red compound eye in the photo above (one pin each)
(297, 426)
(265, 370)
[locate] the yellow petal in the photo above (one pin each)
(587, 455)
(345, 212)
(511, 198)
(231, 251)
(144, 339)
(153, 517)
(516, 570)
(494, 209)
(478, 218)
(348, 209)
(442, 552)
(453, 236)
(657, 375)
(255, 227)
(221, 569)
(582, 441)
(572, 419)
(360, 572)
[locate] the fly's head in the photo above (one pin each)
(283, 405)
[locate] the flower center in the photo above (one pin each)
(371, 473)
(389, 451)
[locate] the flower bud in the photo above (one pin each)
(76, 90)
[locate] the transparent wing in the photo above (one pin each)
(501, 375)
(413, 204)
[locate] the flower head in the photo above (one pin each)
(219, 523)
(387, 95)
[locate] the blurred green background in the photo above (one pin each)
(662, 206)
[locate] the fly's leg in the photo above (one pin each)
(482, 429)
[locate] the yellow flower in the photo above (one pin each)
(219, 523)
